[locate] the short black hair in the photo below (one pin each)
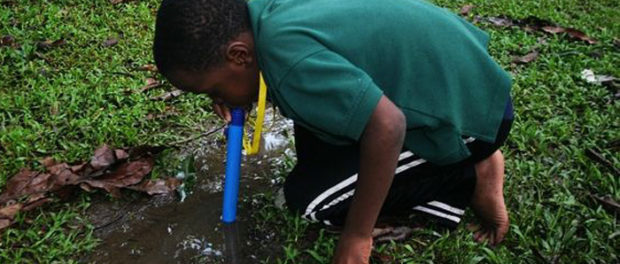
(191, 34)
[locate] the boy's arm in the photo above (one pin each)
(380, 145)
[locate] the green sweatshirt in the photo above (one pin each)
(327, 63)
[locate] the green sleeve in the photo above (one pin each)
(327, 94)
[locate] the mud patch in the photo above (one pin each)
(162, 229)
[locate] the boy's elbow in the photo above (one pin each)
(388, 121)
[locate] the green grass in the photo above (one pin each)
(67, 100)
(74, 100)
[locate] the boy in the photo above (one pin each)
(374, 87)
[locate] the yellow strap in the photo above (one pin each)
(253, 148)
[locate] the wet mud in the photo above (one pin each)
(164, 229)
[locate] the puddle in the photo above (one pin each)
(162, 229)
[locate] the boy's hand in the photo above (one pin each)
(353, 250)
(222, 111)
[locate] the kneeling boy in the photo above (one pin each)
(397, 105)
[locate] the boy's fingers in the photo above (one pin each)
(222, 111)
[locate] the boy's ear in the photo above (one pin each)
(239, 53)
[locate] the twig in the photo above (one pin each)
(180, 142)
(607, 202)
(592, 154)
(123, 74)
(109, 223)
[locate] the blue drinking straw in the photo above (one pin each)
(233, 166)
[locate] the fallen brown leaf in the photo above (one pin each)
(24, 183)
(157, 186)
(501, 21)
(7, 214)
(121, 154)
(466, 9)
(35, 200)
(150, 84)
(167, 96)
(103, 158)
(47, 162)
(125, 175)
(147, 67)
(110, 42)
(62, 174)
(51, 44)
(526, 58)
(553, 29)
(580, 35)
(7, 40)
(109, 169)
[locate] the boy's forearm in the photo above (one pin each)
(379, 149)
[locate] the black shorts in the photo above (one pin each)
(321, 185)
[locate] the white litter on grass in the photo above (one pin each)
(589, 76)
(201, 245)
(182, 193)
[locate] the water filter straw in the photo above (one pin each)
(233, 166)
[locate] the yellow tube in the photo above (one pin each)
(252, 148)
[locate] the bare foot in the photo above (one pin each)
(488, 200)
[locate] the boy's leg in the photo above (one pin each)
(322, 183)
(488, 198)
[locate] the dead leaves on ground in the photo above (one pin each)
(526, 58)
(9, 41)
(109, 169)
(110, 42)
(530, 24)
(48, 44)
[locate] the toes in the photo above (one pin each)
(481, 235)
(472, 227)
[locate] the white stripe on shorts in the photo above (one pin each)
(349, 181)
(446, 207)
(437, 213)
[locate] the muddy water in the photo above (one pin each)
(165, 230)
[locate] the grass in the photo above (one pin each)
(65, 101)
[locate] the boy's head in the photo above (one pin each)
(206, 46)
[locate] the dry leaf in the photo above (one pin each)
(35, 200)
(553, 29)
(157, 186)
(103, 158)
(125, 175)
(63, 175)
(51, 44)
(167, 96)
(103, 172)
(148, 67)
(7, 214)
(150, 84)
(121, 154)
(501, 21)
(110, 42)
(466, 9)
(580, 35)
(7, 40)
(527, 58)
(25, 182)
